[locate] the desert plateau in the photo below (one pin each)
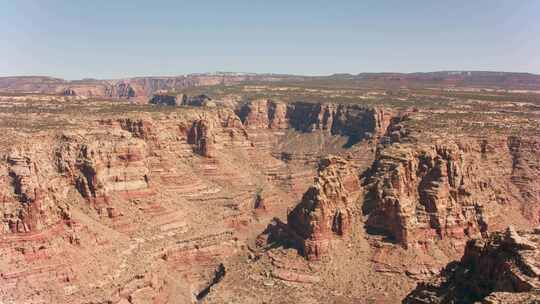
(227, 188)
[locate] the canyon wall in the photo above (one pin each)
(357, 122)
(154, 203)
(328, 209)
(86, 197)
(27, 202)
(422, 191)
(130, 194)
(502, 268)
(453, 188)
(181, 100)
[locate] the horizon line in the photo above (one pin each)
(218, 73)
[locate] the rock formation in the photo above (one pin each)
(106, 201)
(503, 268)
(26, 216)
(354, 121)
(449, 189)
(168, 99)
(98, 168)
(525, 154)
(123, 90)
(201, 137)
(28, 204)
(264, 113)
(328, 208)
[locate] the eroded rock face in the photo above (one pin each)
(100, 167)
(166, 99)
(452, 189)
(112, 172)
(123, 90)
(525, 153)
(504, 266)
(29, 204)
(355, 121)
(201, 137)
(264, 113)
(25, 217)
(327, 209)
(198, 101)
(186, 187)
(137, 127)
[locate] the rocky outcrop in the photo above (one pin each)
(26, 217)
(265, 114)
(327, 209)
(123, 90)
(357, 122)
(137, 127)
(525, 154)
(29, 204)
(451, 189)
(69, 92)
(100, 168)
(504, 266)
(413, 190)
(198, 101)
(201, 137)
(167, 99)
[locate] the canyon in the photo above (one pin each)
(254, 189)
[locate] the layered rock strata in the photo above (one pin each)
(450, 189)
(354, 121)
(201, 137)
(503, 268)
(28, 204)
(328, 208)
(179, 190)
(136, 88)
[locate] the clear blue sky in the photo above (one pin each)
(113, 39)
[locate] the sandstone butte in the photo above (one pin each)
(194, 200)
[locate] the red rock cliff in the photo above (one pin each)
(327, 209)
(451, 189)
(354, 121)
(503, 266)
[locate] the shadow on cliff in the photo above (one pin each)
(279, 235)
(353, 140)
(374, 224)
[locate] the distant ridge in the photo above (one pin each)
(143, 87)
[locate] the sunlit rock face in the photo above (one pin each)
(499, 269)
(328, 208)
(451, 189)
